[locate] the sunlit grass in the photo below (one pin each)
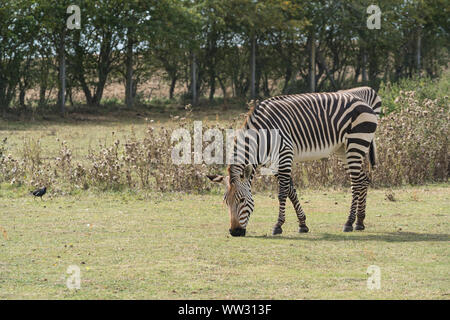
(176, 246)
(83, 132)
(138, 243)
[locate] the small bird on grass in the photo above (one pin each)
(39, 192)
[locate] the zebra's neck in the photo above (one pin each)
(236, 172)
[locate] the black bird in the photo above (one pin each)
(39, 192)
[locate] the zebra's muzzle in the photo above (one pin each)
(238, 232)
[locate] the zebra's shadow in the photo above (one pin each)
(360, 236)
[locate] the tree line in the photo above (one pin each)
(242, 48)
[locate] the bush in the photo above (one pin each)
(412, 142)
(424, 88)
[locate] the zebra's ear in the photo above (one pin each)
(248, 171)
(216, 178)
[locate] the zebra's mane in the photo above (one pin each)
(249, 114)
(234, 172)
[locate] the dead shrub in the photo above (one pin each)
(412, 146)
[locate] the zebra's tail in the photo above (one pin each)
(373, 154)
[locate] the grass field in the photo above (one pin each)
(140, 244)
(175, 246)
(84, 131)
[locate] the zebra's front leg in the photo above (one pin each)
(284, 184)
(283, 191)
(298, 209)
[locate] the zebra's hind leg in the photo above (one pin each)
(361, 210)
(360, 183)
(298, 208)
(353, 166)
(348, 226)
(358, 138)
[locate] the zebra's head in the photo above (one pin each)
(238, 197)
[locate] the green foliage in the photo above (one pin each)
(424, 88)
(133, 41)
(18, 30)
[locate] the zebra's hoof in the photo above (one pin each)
(347, 228)
(238, 232)
(359, 227)
(303, 229)
(277, 230)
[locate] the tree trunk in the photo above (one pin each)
(373, 69)
(103, 71)
(7, 93)
(173, 81)
(327, 71)
(357, 69)
(287, 78)
(129, 72)
(23, 84)
(70, 95)
(266, 88)
(22, 92)
(43, 81)
(194, 80)
(212, 85)
(312, 63)
(42, 92)
(79, 69)
(99, 89)
(224, 88)
(253, 69)
(418, 53)
(364, 67)
(62, 74)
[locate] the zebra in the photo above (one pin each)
(374, 101)
(369, 95)
(311, 126)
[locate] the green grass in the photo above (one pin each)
(175, 246)
(140, 244)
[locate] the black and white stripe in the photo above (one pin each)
(374, 101)
(311, 126)
(368, 95)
